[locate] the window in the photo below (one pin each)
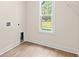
(47, 16)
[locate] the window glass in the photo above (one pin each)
(46, 16)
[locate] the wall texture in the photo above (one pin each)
(66, 36)
(10, 36)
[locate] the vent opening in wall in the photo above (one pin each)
(21, 36)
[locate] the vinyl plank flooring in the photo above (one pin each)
(28, 49)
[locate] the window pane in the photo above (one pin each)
(46, 7)
(46, 16)
(46, 23)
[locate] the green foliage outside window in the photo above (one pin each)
(46, 7)
(46, 11)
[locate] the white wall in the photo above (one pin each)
(10, 36)
(66, 36)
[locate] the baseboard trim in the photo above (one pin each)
(70, 50)
(56, 46)
(11, 46)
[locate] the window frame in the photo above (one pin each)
(52, 18)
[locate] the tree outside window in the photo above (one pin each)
(46, 16)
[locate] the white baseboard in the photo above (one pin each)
(11, 46)
(57, 46)
(7, 48)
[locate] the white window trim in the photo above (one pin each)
(52, 19)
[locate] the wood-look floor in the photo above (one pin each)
(28, 49)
